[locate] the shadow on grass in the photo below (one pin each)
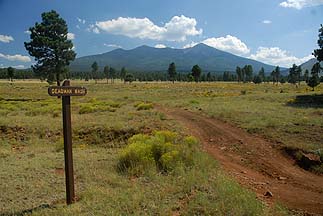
(27, 211)
(307, 101)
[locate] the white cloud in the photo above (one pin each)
(277, 56)
(96, 30)
(192, 44)
(112, 45)
(160, 46)
(27, 32)
(228, 43)
(80, 20)
(6, 38)
(17, 57)
(93, 28)
(266, 22)
(18, 66)
(70, 36)
(177, 29)
(299, 4)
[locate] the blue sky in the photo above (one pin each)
(278, 32)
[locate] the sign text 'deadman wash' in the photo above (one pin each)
(66, 91)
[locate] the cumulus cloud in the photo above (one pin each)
(266, 22)
(6, 38)
(299, 4)
(160, 46)
(93, 28)
(228, 43)
(277, 56)
(192, 44)
(17, 57)
(177, 29)
(27, 32)
(70, 36)
(112, 45)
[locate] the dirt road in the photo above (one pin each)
(254, 162)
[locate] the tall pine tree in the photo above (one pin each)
(95, 69)
(292, 77)
(314, 79)
(318, 53)
(172, 71)
(239, 73)
(196, 72)
(50, 47)
(106, 72)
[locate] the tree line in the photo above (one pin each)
(11, 73)
(242, 74)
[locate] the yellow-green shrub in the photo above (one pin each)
(170, 160)
(136, 158)
(96, 106)
(163, 151)
(86, 109)
(190, 141)
(144, 106)
(138, 138)
(114, 104)
(168, 136)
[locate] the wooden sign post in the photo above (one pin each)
(65, 91)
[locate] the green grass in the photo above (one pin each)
(263, 109)
(102, 190)
(31, 150)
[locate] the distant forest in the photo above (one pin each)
(245, 74)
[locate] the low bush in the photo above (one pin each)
(86, 109)
(98, 107)
(162, 116)
(144, 106)
(194, 102)
(113, 104)
(164, 152)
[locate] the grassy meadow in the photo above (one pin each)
(32, 160)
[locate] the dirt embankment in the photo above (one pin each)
(255, 162)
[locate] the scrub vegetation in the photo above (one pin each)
(134, 161)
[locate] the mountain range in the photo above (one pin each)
(149, 59)
(305, 66)
(309, 64)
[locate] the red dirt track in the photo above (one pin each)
(254, 162)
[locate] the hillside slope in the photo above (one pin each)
(145, 58)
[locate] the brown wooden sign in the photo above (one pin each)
(66, 91)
